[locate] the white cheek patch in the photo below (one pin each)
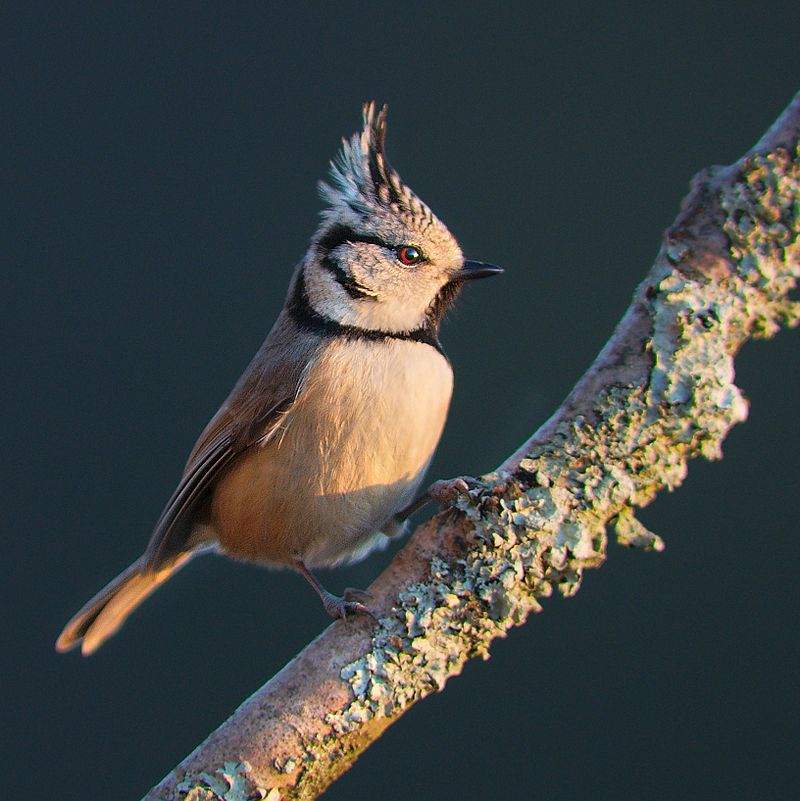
(325, 294)
(399, 309)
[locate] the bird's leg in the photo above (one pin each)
(335, 606)
(443, 492)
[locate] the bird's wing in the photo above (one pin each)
(266, 391)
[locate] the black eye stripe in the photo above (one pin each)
(344, 234)
(340, 234)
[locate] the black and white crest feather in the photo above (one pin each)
(363, 180)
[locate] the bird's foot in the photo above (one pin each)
(340, 607)
(447, 490)
(349, 604)
(352, 594)
(444, 492)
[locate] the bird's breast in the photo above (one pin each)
(350, 452)
(373, 411)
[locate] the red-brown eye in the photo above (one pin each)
(409, 255)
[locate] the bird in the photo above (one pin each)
(318, 452)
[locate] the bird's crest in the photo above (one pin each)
(361, 177)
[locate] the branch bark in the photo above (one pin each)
(660, 392)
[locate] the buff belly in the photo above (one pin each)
(351, 452)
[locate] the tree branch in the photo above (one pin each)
(660, 392)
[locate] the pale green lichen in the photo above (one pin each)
(287, 766)
(631, 532)
(762, 212)
(231, 782)
(535, 533)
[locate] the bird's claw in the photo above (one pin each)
(352, 594)
(447, 490)
(444, 492)
(340, 607)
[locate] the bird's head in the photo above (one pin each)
(381, 259)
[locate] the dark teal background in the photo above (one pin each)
(159, 186)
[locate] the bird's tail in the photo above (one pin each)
(102, 616)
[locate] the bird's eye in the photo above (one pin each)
(409, 255)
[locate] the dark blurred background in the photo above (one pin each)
(158, 188)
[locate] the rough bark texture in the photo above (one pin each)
(659, 393)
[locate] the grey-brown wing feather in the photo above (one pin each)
(266, 390)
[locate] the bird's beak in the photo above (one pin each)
(475, 269)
